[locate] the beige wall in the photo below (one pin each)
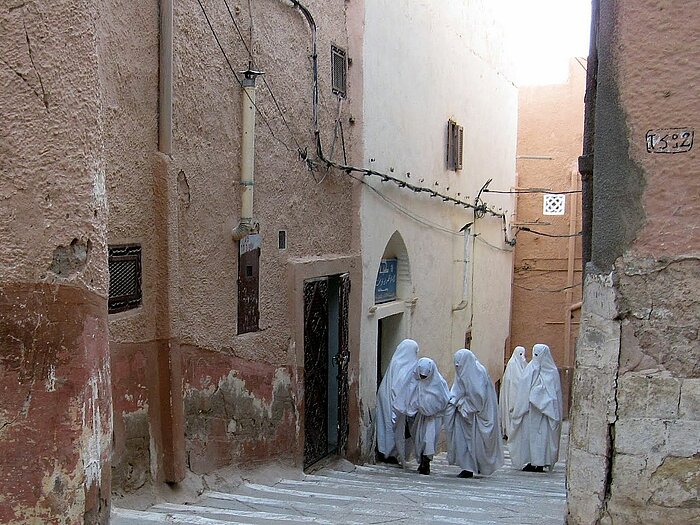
(547, 270)
(182, 208)
(634, 454)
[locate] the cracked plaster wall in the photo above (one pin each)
(634, 454)
(55, 411)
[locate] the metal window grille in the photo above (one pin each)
(455, 145)
(339, 71)
(554, 204)
(124, 278)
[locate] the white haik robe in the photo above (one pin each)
(424, 399)
(471, 421)
(509, 384)
(537, 414)
(402, 362)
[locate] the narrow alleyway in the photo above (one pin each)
(374, 494)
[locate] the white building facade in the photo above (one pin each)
(434, 63)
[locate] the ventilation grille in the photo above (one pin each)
(554, 204)
(124, 277)
(339, 70)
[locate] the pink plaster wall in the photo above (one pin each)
(550, 124)
(662, 38)
(55, 394)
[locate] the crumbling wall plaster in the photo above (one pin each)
(637, 460)
(55, 424)
(237, 412)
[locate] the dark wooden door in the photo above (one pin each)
(343, 360)
(315, 370)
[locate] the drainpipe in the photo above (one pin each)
(247, 225)
(165, 101)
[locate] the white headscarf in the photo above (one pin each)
(472, 426)
(537, 413)
(509, 384)
(540, 386)
(472, 384)
(423, 391)
(402, 362)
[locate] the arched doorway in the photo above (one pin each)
(392, 289)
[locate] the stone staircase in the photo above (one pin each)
(375, 494)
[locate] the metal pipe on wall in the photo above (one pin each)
(247, 225)
(165, 66)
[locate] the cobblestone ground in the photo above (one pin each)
(374, 494)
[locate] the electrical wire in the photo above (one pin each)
(481, 209)
(415, 217)
(235, 75)
(265, 82)
(535, 232)
(548, 192)
(529, 273)
(487, 243)
(338, 123)
(544, 290)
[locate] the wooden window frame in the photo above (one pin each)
(455, 146)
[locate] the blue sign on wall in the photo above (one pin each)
(385, 287)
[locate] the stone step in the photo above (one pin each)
(376, 494)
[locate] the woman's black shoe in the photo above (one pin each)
(424, 467)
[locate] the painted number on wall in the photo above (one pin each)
(672, 140)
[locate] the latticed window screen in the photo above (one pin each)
(339, 71)
(124, 277)
(554, 204)
(455, 148)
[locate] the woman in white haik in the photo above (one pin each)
(471, 420)
(420, 403)
(402, 362)
(537, 414)
(509, 384)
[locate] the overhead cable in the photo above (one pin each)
(533, 190)
(545, 290)
(535, 232)
(481, 208)
(228, 62)
(267, 85)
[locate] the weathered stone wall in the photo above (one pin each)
(634, 454)
(55, 393)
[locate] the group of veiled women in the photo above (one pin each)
(414, 403)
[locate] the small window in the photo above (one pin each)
(339, 71)
(282, 239)
(554, 204)
(455, 141)
(124, 278)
